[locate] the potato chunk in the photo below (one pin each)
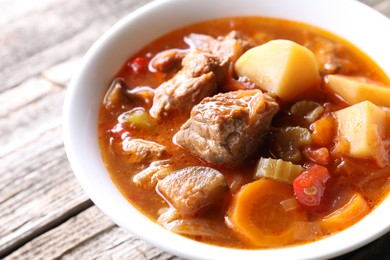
(363, 125)
(281, 67)
(357, 89)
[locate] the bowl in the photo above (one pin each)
(359, 24)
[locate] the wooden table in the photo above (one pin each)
(44, 213)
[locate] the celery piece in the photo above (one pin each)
(277, 169)
(307, 111)
(137, 117)
(288, 141)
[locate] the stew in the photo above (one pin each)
(249, 132)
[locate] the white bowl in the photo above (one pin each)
(359, 24)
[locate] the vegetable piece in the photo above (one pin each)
(310, 185)
(345, 216)
(167, 215)
(364, 125)
(324, 130)
(287, 142)
(320, 155)
(257, 215)
(198, 227)
(138, 65)
(289, 204)
(307, 111)
(115, 94)
(278, 170)
(237, 182)
(375, 184)
(137, 117)
(306, 231)
(358, 89)
(282, 67)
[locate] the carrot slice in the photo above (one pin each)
(257, 215)
(345, 216)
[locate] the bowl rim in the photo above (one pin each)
(76, 120)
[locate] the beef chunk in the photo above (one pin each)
(149, 177)
(332, 57)
(143, 150)
(203, 67)
(192, 189)
(168, 60)
(228, 127)
(200, 74)
(232, 45)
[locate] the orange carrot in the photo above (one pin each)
(324, 130)
(345, 216)
(257, 215)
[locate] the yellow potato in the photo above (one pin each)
(357, 89)
(281, 67)
(364, 125)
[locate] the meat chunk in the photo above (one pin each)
(168, 60)
(332, 57)
(143, 150)
(200, 74)
(228, 127)
(149, 177)
(203, 66)
(232, 45)
(192, 189)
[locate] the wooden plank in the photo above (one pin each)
(371, 2)
(383, 7)
(38, 190)
(89, 235)
(62, 73)
(19, 8)
(31, 108)
(54, 31)
(29, 91)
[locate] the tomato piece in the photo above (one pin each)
(138, 65)
(309, 186)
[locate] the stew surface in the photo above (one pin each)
(243, 132)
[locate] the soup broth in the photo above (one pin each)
(335, 186)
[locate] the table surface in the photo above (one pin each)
(44, 213)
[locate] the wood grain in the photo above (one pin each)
(38, 190)
(52, 32)
(89, 230)
(379, 5)
(44, 213)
